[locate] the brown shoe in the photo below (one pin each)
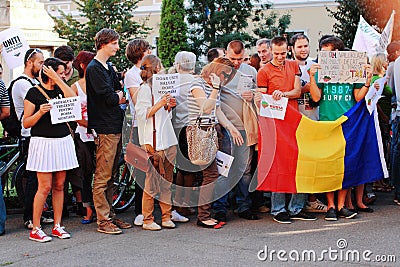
(109, 228)
(121, 224)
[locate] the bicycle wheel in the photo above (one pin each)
(124, 188)
(19, 179)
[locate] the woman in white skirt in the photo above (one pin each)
(51, 149)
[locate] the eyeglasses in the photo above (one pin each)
(34, 51)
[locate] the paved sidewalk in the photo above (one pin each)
(236, 244)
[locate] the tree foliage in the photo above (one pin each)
(376, 13)
(173, 31)
(216, 23)
(96, 15)
(270, 24)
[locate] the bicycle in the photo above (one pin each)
(11, 163)
(124, 187)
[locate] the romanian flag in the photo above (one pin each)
(299, 155)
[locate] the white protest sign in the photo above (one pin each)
(65, 109)
(386, 35)
(245, 83)
(14, 47)
(165, 83)
(342, 67)
(224, 163)
(372, 96)
(271, 108)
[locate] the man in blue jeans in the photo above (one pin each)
(236, 96)
(281, 78)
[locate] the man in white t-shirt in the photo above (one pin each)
(135, 51)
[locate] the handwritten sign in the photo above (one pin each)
(342, 67)
(271, 108)
(65, 109)
(245, 83)
(14, 47)
(166, 83)
(224, 163)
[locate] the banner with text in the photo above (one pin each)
(14, 47)
(271, 108)
(65, 109)
(342, 67)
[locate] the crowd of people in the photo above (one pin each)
(225, 95)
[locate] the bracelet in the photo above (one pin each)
(217, 88)
(284, 94)
(367, 85)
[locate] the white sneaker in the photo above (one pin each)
(316, 206)
(176, 217)
(151, 226)
(138, 220)
(168, 224)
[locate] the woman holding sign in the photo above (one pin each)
(51, 149)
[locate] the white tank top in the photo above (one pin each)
(85, 137)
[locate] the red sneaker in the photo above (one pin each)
(59, 232)
(39, 236)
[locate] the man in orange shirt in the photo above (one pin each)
(281, 78)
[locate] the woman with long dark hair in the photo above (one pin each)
(51, 149)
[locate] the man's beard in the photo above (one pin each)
(35, 73)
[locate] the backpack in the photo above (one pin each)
(12, 124)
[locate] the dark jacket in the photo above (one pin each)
(104, 113)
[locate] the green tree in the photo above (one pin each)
(348, 13)
(216, 23)
(173, 31)
(270, 24)
(99, 14)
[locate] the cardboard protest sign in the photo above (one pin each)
(342, 67)
(65, 109)
(224, 163)
(271, 108)
(165, 83)
(14, 47)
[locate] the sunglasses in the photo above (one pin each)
(227, 76)
(34, 51)
(246, 59)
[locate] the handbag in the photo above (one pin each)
(202, 142)
(72, 133)
(139, 157)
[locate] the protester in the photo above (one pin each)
(237, 106)
(4, 113)
(51, 148)
(214, 53)
(307, 107)
(155, 111)
(184, 64)
(393, 50)
(135, 51)
(66, 54)
(33, 62)
(105, 119)
(264, 50)
(84, 141)
(204, 100)
(332, 107)
(280, 77)
(255, 61)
